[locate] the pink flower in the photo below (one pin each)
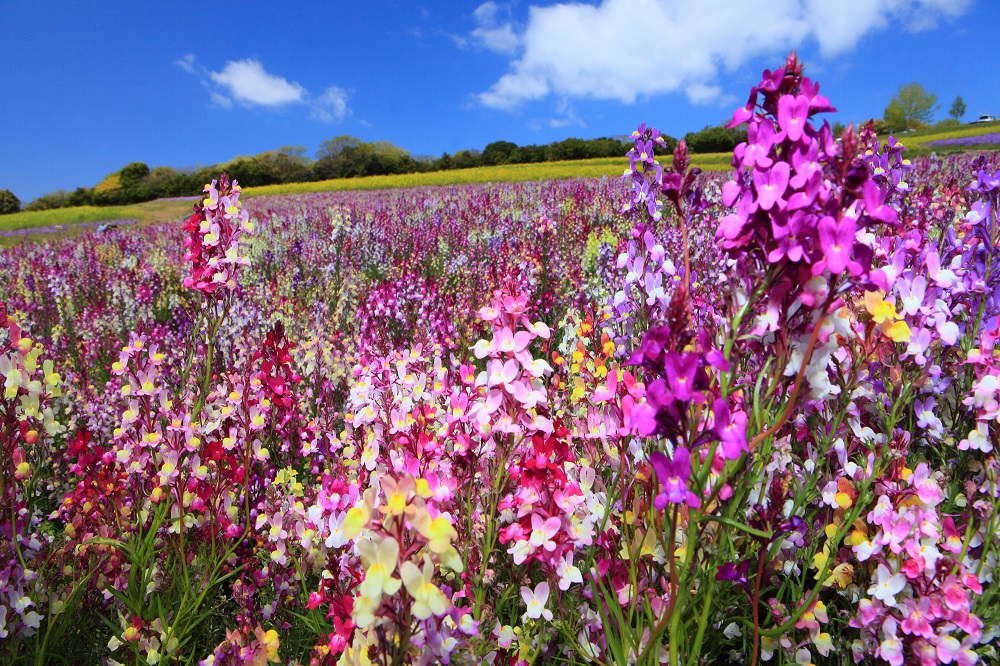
(875, 204)
(771, 184)
(837, 240)
(793, 115)
(891, 648)
(542, 531)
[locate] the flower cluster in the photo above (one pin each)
(27, 425)
(215, 231)
(800, 197)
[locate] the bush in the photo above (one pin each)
(81, 196)
(717, 139)
(8, 202)
(57, 199)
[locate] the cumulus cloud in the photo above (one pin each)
(492, 32)
(620, 49)
(247, 83)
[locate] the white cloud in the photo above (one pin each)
(490, 32)
(621, 49)
(331, 106)
(220, 100)
(187, 63)
(248, 83)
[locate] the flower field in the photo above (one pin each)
(670, 418)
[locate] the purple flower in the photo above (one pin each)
(817, 103)
(787, 236)
(875, 204)
(837, 240)
(771, 184)
(673, 475)
(651, 347)
(793, 114)
(978, 212)
(680, 372)
(731, 429)
(760, 138)
(736, 573)
(912, 293)
(805, 160)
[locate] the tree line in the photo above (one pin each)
(341, 157)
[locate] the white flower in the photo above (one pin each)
(536, 602)
(732, 630)
(887, 585)
(520, 550)
(977, 439)
(568, 574)
(504, 634)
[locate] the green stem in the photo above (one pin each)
(703, 621)
(735, 524)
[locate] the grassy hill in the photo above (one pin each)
(67, 221)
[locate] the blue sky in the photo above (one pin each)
(89, 87)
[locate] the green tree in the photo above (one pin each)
(336, 145)
(8, 202)
(132, 174)
(466, 159)
(498, 152)
(957, 108)
(81, 196)
(718, 139)
(911, 108)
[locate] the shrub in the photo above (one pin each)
(8, 202)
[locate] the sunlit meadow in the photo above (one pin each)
(669, 418)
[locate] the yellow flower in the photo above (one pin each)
(428, 599)
(357, 517)
(883, 311)
(438, 532)
(898, 331)
(843, 500)
(270, 642)
(381, 561)
(398, 495)
(842, 574)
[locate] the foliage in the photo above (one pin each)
(718, 139)
(338, 144)
(957, 109)
(9, 203)
(498, 152)
(911, 108)
(57, 199)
